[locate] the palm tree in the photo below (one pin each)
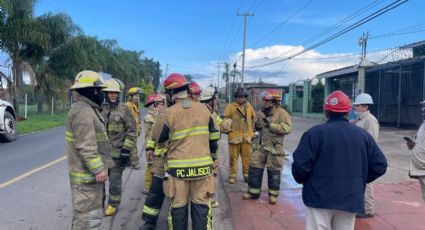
(58, 29)
(19, 29)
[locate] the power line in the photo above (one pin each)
(230, 31)
(335, 26)
(282, 23)
(349, 28)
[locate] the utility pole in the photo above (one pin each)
(166, 70)
(364, 63)
(363, 43)
(218, 74)
(244, 43)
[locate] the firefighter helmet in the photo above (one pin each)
(194, 88)
(134, 90)
(114, 85)
(271, 95)
(337, 102)
(240, 92)
(174, 82)
(154, 98)
(87, 78)
(207, 94)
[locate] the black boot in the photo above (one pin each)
(154, 201)
(255, 179)
(201, 216)
(179, 218)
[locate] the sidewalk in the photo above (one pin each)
(399, 204)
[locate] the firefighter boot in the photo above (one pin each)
(110, 210)
(179, 218)
(153, 202)
(201, 218)
(273, 177)
(255, 180)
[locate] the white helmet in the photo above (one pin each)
(207, 94)
(363, 99)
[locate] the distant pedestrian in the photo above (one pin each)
(417, 161)
(368, 122)
(334, 161)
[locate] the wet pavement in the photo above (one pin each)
(399, 204)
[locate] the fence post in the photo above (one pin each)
(53, 105)
(306, 97)
(26, 105)
(291, 97)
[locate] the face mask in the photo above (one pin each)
(358, 114)
(99, 96)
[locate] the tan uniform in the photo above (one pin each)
(369, 123)
(121, 129)
(242, 120)
(88, 154)
(148, 122)
(417, 161)
(136, 114)
(189, 131)
(155, 198)
(268, 150)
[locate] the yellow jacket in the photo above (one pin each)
(242, 118)
(135, 111)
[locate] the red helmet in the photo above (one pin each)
(154, 98)
(174, 81)
(337, 102)
(270, 95)
(195, 88)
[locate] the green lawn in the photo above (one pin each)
(37, 122)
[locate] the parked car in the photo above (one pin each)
(7, 122)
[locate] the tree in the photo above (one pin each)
(59, 28)
(18, 30)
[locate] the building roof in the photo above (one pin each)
(413, 45)
(338, 72)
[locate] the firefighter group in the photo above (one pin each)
(336, 161)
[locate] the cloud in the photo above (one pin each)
(305, 66)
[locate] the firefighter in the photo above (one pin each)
(122, 134)
(88, 150)
(272, 124)
(155, 198)
(133, 102)
(194, 91)
(156, 104)
(369, 123)
(208, 97)
(242, 117)
(188, 133)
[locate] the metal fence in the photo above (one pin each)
(397, 89)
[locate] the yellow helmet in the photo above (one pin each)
(87, 78)
(134, 90)
(114, 85)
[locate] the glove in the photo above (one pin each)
(125, 157)
(266, 122)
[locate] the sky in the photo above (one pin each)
(192, 36)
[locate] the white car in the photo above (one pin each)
(7, 122)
